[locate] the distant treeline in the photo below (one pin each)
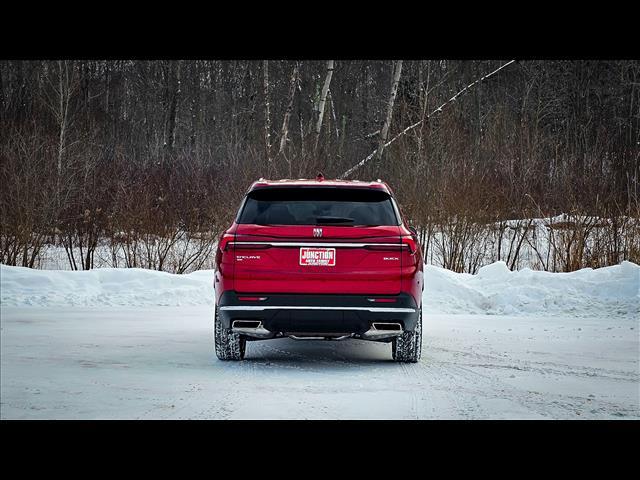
(131, 152)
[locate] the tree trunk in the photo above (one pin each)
(2, 101)
(285, 122)
(173, 110)
(424, 100)
(65, 90)
(323, 100)
(267, 120)
(63, 97)
(387, 121)
(107, 84)
(195, 104)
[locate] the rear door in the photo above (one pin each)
(317, 240)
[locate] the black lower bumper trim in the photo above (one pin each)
(331, 314)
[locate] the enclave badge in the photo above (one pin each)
(317, 232)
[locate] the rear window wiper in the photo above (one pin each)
(334, 220)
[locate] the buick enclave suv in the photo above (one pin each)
(319, 259)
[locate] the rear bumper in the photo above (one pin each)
(318, 314)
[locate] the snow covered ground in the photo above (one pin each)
(115, 343)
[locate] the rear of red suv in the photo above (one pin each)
(318, 260)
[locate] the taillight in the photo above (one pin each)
(252, 299)
(225, 238)
(411, 244)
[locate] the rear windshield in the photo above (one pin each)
(318, 206)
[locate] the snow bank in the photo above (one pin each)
(133, 287)
(610, 291)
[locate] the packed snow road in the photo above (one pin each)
(158, 363)
(132, 343)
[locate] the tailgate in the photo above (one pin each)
(317, 259)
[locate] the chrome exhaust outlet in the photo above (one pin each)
(251, 328)
(383, 330)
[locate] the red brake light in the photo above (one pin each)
(411, 244)
(224, 240)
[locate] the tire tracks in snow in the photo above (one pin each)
(435, 389)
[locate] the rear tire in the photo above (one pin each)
(407, 347)
(229, 345)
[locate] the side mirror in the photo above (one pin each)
(413, 230)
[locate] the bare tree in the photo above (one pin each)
(267, 120)
(384, 131)
(419, 122)
(60, 105)
(65, 90)
(323, 100)
(173, 108)
(81, 149)
(287, 114)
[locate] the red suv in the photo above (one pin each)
(323, 259)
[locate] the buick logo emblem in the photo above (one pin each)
(317, 232)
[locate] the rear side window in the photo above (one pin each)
(318, 206)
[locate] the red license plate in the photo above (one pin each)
(318, 257)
